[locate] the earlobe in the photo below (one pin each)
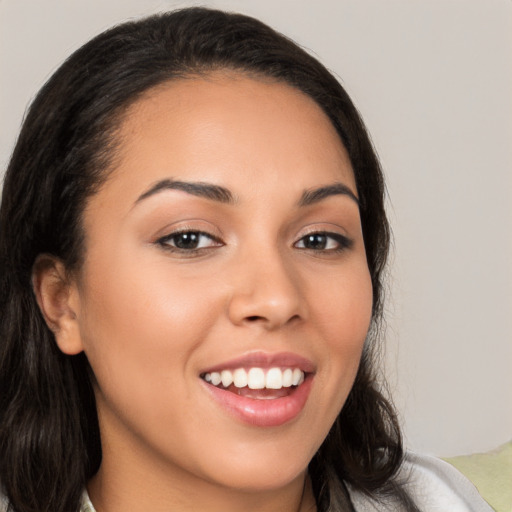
(58, 301)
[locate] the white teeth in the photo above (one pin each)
(239, 378)
(287, 378)
(226, 378)
(257, 378)
(296, 377)
(274, 379)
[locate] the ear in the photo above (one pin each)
(58, 301)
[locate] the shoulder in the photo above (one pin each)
(434, 485)
(86, 505)
(3, 502)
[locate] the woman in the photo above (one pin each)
(192, 242)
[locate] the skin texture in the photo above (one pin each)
(151, 318)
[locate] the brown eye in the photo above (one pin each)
(188, 241)
(315, 241)
(324, 242)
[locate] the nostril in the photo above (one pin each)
(254, 318)
(257, 318)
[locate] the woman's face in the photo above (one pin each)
(226, 244)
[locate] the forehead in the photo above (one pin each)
(230, 129)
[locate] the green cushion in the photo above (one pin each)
(491, 473)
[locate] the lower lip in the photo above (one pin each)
(265, 412)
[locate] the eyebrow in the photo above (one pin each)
(316, 195)
(199, 189)
(223, 195)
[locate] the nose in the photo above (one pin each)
(267, 291)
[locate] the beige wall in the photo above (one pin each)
(433, 79)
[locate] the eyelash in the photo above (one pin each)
(165, 241)
(342, 242)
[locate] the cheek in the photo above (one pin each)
(141, 331)
(344, 308)
(343, 314)
(141, 323)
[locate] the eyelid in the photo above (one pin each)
(183, 231)
(164, 237)
(327, 228)
(185, 225)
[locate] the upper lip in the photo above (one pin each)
(264, 360)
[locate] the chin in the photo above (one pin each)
(260, 473)
(267, 480)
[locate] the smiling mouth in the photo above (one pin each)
(262, 390)
(257, 383)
